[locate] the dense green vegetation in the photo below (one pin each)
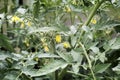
(60, 40)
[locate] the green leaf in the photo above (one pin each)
(103, 24)
(102, 57)
(116, 44)
(90, 35)
(62, 27)
(100, 68)
(4, 42)
(73, 40)
(113, 12)
(2, 10)
(117, 69)
(95, 49)
(30, 62)
(77, 56)
(12, 75)
(25, 77)
(42, 29)
(3, 55)
(49, 68)
(66, 56)
(113, 43)
(76, 67)
(47, 55)
(36, 8)
(21, 10)
(86, 28)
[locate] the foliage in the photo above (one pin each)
(60, 40)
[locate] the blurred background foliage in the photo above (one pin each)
(59, 39)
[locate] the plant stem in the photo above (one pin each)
(63, 72)
(93, 12)
(18, 75)
(5, 26)
(97, 5)
(88, 59)
(91, 15)
(78, 74)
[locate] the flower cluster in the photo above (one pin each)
(45, 46)
(58, 39)
(26, 41)
(16, 19)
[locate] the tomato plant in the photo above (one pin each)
(60, 40)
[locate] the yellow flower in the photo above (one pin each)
(22, 25)
(74, 2)
(46, 49)
(58, 38)
(66, 45)
(27, 44)
(43, 40)
(36, 59)
(26, 41)
(108, 31)
(93, 21)
(29, 23)
(68, 9)
(15, 19)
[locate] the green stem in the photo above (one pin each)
(5, 17)
(88, 59)
(18, 75)
(97, 5)
(93, 12)
(63, 72)
(78, 74)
